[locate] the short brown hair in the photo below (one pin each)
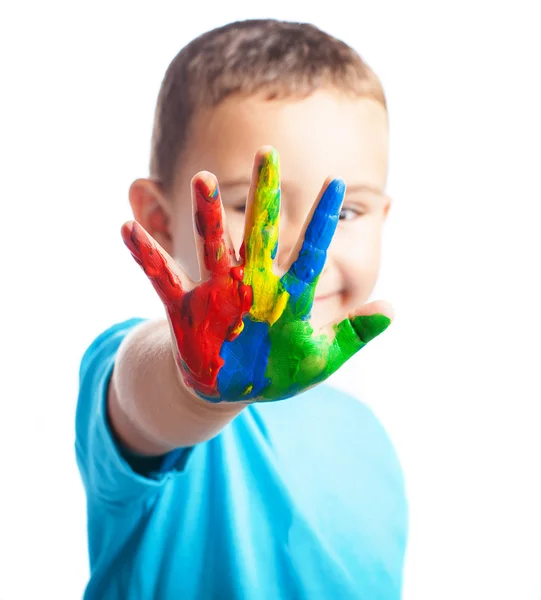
(262, 55)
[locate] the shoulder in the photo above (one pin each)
(328, 413)
(332, 403)
(97, 365)
(353, 429)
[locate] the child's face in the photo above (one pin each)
(326, 134)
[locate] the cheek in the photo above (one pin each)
(361, 271)
(356, 253)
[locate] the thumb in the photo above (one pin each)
(355, 331)
(371, 319)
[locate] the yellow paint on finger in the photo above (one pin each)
(269, 297)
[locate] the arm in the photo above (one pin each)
(149, 407)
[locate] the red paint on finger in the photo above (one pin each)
(210, 226)
(152, 261)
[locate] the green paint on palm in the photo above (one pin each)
(300, 358)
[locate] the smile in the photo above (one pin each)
(325, 296)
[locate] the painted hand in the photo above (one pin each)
(243, 334)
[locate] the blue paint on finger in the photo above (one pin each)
(319, 234)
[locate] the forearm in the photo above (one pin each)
(149, 407)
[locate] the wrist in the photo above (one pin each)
(197, 403)
(191, 419)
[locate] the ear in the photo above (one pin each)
(152, 210)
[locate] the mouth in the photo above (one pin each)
(323, 297)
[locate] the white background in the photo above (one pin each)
(455, 379)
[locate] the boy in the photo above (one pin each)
(198, 485)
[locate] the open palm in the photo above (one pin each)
(243, 333)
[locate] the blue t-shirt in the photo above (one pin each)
(298, 499)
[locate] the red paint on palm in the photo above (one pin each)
(207, 316)
(212, 312)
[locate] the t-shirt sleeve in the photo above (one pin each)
(109, 472)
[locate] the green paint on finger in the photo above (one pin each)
(370, 326)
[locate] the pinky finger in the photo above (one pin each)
(163, 272)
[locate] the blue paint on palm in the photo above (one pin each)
(245, 360)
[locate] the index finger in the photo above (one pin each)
(318, 234)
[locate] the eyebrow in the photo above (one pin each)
(357, 187)
(364, 187)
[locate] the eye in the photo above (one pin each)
(348, 214)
